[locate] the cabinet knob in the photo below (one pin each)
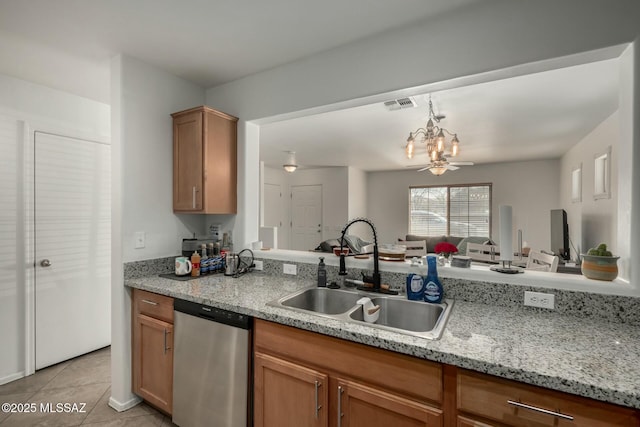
(45, 263)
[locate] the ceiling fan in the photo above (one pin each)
(433, 138)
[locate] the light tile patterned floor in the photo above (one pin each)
(85, 379)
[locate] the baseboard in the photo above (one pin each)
(12, 377)
(123, 406)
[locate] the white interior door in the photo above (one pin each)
(306, 216)
(72, 247)
(273, 209)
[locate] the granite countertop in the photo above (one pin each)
(587, 357)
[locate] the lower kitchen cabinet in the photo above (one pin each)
(288, 395)
(152, 349)
(359, 405)
(307, 379)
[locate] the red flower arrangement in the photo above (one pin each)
(446, 248)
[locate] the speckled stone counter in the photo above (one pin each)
(587, 357)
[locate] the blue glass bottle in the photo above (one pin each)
(433, 291)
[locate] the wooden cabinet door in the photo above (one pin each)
(288, 395)
(153, 361)
(361, 406)
(220, 163)
(187, 162)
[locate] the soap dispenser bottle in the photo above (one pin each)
(322, 274)
(433, 291)
(415, 283)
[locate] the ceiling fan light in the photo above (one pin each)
(290, 168)
(409, 149)
(440, 141)
(439, 170)
(434, 155)
(455, 149)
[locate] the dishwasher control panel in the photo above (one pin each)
(213, 313)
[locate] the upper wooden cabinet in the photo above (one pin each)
(204, 162)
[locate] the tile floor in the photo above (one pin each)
(85, 379)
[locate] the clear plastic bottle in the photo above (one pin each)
(415, 282)
(433, 291)
(195, 264)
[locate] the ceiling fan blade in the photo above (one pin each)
(424, 169)
(461, 163)
(451, 167)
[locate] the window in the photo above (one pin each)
(457, 210)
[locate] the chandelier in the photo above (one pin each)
(433, 137)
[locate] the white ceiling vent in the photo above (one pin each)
(400, 104)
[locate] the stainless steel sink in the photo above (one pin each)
(396, 313)
(321, 300)
(414, 316)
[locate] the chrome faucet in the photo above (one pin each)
(375, 279)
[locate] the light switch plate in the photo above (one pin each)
(139, 240)
(289, 269)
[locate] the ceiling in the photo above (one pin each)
(68, 44)
(535, 116)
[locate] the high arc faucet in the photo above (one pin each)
(375, 279)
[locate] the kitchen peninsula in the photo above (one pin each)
(502, 339)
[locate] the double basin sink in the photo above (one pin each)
(397, 314)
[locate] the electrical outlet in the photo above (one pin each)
(289, 269)
(138, 239)
(539, 299)
(258, 265)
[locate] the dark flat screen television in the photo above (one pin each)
(560, 234)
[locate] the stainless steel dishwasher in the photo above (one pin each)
(211, 367)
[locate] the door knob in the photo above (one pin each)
(45, 263)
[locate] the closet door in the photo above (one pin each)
(72, 247)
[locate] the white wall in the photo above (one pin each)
(592, 221)
(150, 95)
(357, 203)
(143, 97)
(626, 173)
(26, 107)
(531, 188)
(473, 41)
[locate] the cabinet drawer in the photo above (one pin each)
(516, 404)
(153, 305)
